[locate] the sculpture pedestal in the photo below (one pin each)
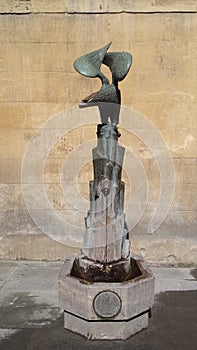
(105, 330)
(106, 236)
(106, 310)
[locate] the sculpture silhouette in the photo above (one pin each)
(108, 98)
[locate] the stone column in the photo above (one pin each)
(106, 237)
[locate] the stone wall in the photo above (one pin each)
(39, 40)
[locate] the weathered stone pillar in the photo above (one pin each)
(106, 236)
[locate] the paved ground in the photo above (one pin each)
(30, 318)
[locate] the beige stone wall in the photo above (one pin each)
(39, 41)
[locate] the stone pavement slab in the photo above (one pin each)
(173, 279)
(6, 269)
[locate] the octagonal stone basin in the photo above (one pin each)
(121, 271)
(106, 309)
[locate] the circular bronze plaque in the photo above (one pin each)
(107, 304)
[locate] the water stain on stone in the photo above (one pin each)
(20, 310)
